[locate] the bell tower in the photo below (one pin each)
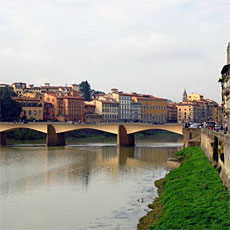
(184, 98)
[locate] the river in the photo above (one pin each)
(88, 184)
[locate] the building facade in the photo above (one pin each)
(66, 108)
(49, 112)
(154, 109)
(124, 101)
(19, 88)
(217, 115)
(32, 106)
(108, 109)
(187, 112)
(136, 112)
(172, 113)
(225, 85)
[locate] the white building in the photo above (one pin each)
(136, 111)
(125, 101)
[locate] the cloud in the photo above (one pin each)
(155, 47)
(67, 40)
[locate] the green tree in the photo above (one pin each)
(85, 89)
(10, 109)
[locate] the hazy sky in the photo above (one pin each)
(157, 47)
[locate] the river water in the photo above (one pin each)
(89, 184)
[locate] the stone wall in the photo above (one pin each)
(191, 137)
(216, 146)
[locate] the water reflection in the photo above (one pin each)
(108, 177)
(49, 166)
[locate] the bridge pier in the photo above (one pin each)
(53, 138)
(124, 139)
(2, 138)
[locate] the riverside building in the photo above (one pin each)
(66, 108)
(196, 108)
(172, 112)
(153, 109)
(107, 108)
(225, 85)
(32, 106)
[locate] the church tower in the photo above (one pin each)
(228, 53)
(184, 96)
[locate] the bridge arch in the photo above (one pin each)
(108, 128)
(178, 129)
(11, 127)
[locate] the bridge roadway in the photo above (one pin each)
(56, 130)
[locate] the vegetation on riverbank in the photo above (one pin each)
(190, 197)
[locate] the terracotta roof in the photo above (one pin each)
(153, 98)
(125, 94)
(55, 87)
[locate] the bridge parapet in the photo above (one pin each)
(192, 136)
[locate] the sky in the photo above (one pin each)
(158, 47)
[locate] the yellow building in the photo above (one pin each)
(154, 109)
(32, 106)
(195, 97)
(18, 87)
(187, 112)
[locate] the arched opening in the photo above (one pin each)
(158, 136)
(89, 136)
(25, 136)
(221, 150)
(215, 155)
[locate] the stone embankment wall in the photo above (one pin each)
(216, 146)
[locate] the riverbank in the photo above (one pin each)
(190, 197)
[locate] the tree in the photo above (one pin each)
(10, 109)
(85, 89)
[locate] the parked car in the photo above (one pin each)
(194, 125)
(217, 127)
(210, 124)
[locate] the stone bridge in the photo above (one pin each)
(56, 131)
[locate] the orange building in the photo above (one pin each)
(74, 109)
(48, 112)
(66, 108)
